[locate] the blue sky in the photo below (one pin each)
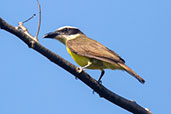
(139, 31)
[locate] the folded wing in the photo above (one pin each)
(90, 48)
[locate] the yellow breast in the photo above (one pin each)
(96, 64)
(82, 61)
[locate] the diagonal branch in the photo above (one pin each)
(128, 105)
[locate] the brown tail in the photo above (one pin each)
(130, 71)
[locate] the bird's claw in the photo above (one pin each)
(99, 82)
(80, 69)
(76, 77)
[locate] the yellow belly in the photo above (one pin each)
(96, 64)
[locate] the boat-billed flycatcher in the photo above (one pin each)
(89, 53)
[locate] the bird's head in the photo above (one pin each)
(64, 34)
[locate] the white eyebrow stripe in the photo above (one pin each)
(66, 27)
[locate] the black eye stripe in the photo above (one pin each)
(70, 31)
(74, 31)
(64, 30)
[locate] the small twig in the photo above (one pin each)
(20, 26)
(148, 111)
(29, 18)
(39, 21)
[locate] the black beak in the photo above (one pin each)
(51, 35)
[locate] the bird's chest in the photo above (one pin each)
(82, 61)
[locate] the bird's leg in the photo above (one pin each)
(80, 69)
(101, 75)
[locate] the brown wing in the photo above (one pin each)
(90, 48)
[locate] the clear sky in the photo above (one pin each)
(139, 31)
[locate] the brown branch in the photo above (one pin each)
(87, 79)
(20, 26)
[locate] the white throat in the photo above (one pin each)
(70, 37)
(65, 38)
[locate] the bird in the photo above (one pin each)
(89, 53)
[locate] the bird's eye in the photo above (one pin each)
(65, 30)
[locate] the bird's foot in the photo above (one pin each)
(76, 77)
(80, 69)
(93, 92)
(99, 82)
